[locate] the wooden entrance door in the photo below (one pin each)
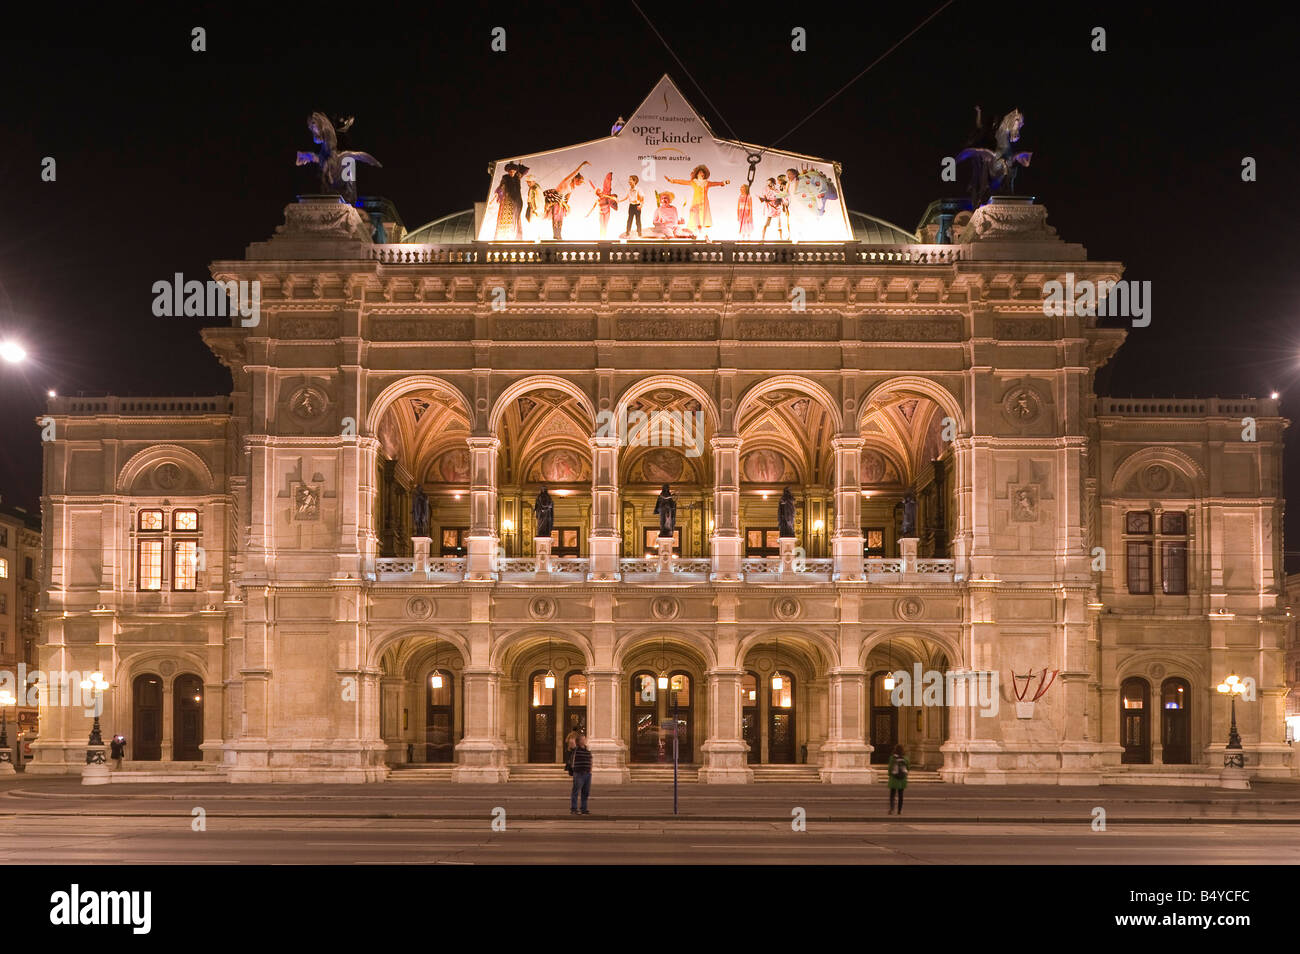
(146, 744)
(884, 721)
(749, 724)
(780, 719)
(680, 696)
(187, 718)
(644, 707)
(541, 720)
(439, 719)
(575, 703)
(1135, 721)
(1176, 722)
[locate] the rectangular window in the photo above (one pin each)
(185, 564)
(4, 604)
(29, 605)
(1137, 521)
(27, 568)
(4, 569)
(453, 541)
(150, 565)
(4, 536)
(762, 541)
(1173, 568)
(151, 519)
(1139, 566)
(185, 520)
(564, 541)
(1174, 522)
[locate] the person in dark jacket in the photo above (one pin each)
(581, 777)
(117, 750)
(898, 766)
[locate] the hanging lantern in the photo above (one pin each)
(550, 679)
(663, 679)
(889, 682)
(777, 682)
(436, 679)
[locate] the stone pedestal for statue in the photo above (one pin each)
(96, 773)
(907, 549)
(786, 549)
(665, 555)
(421, 546)
(542, 547)
(1235, 778)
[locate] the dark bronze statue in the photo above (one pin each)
(544, 510)
(994, 168)
(420, 514)
(909, 515)
(666, 508)
(785, 514)
(337, 168)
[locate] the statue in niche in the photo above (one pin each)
(785, 514)
(544, 509)
(909, 514)
(306, 502)
(666, 508)
(419, 514)
(337, 168)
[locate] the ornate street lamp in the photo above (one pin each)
(1233, 756)
(96, 685)
(6, 699)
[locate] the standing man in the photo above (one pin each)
(118, 751)
(581, 777)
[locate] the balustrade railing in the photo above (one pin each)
(665, 253)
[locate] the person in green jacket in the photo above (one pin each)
(898, 766)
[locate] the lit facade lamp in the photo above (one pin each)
(889, 682)
(1233, 756)
(663, 679)
(435, 680)
(96, 685)
(549, 680)
(778, 682)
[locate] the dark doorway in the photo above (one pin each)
(1176, 722)
(146, 743)
(645, 718)
(541, 719)
(780, 719)
(1135, 721)
(187, 718)
(749, 725)
(440, 720)
(884, 721)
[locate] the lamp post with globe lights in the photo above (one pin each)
(96, 770)
(1234, 759)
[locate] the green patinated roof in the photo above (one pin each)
(458, 229)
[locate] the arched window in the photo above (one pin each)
(1176, 722)
(1135, 721)
(187, 718)
(678, 704)
(146, 705)
(644, 709)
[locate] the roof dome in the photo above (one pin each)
(458, 229)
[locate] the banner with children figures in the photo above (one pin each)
(664, 175)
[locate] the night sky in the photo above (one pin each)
(168, 159)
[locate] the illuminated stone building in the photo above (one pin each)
(1121, 556)
(20, 566)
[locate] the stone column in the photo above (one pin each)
(605, 543)
(845, 755)
(726, 542)
(608, 750)
(846, 544)
(481, 754)
(725, 757)
(482, 552)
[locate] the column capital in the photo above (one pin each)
(483, 441)
(847, 442)
(724, 442)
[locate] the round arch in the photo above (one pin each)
(919, 385)
(949, 645)
(538, 382)
(164, 453)
(790, 382)
(825, 654)
(1171, 456)
(671, 382)
(380, 645)
(635, 642)
(415, 382)
(515, 644)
